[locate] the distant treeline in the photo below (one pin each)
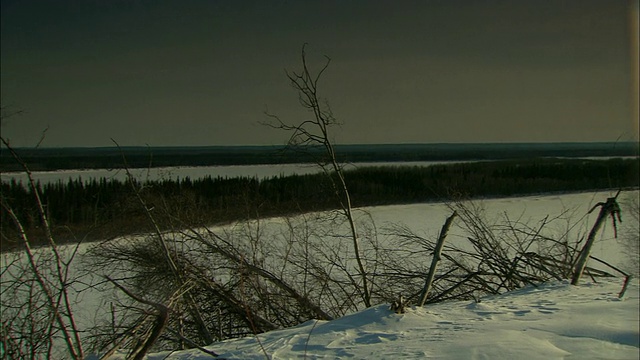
(103, 208)
(46, 159)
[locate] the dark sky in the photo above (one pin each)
(204, 72)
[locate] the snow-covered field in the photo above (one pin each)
(554, 321)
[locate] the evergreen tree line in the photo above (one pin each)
(102, 208)
(50, 159)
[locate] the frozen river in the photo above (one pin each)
(196, 172)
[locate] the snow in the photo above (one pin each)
(198, 172)
(553, 321)
(193, 172)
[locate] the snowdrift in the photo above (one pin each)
(553, 321)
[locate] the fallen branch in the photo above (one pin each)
(162, 318)
(608, 208)
(436, 258)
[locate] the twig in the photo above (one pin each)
(609, 265)
(627, 279)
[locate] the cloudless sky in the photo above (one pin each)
(157, 72)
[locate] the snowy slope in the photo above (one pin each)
(553, 321)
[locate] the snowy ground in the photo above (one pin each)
(554, 321)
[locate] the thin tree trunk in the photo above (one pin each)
(69, 327)
(436, 258)
(610, 208)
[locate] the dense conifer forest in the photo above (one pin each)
(101, 208)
